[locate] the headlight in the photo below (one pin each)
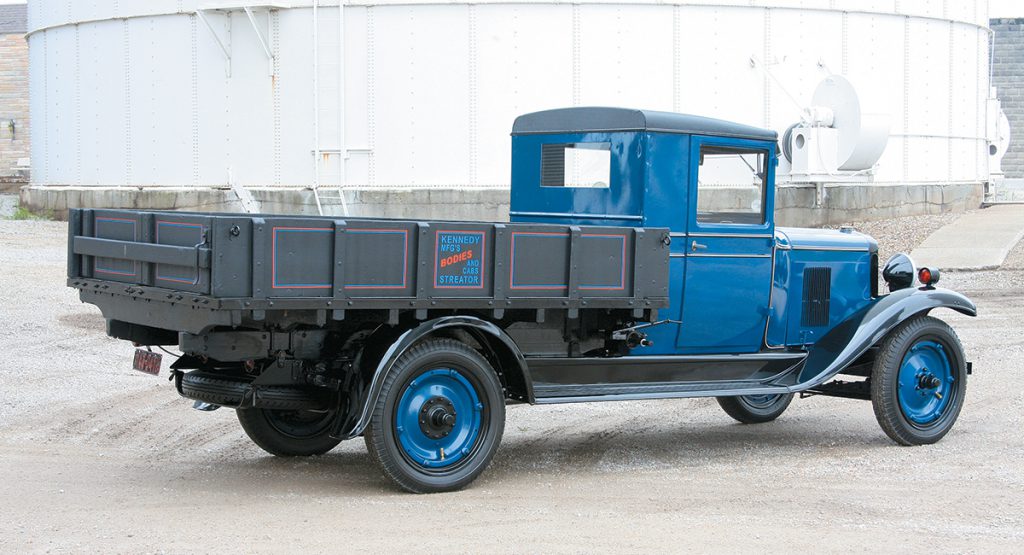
(899, 272)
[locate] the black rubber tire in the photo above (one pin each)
(885, 380)
(220, 390)
(288, 433)
(380, 437)
(744, 410)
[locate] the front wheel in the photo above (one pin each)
(439, 418)
(918, 381)
(289, 433)
(755, 409)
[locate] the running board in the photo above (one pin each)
(585, 379)
(546, 394)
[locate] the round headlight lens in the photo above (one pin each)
(899, 272)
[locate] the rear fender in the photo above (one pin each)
(493, 338)
(845, 343)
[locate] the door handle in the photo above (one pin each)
(695, 246)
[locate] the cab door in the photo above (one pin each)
(728, 246)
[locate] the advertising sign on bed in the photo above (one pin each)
(459, 260)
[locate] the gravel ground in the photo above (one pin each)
(8, 204)
(903, 234)
(97, 458)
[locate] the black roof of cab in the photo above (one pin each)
(583, 120)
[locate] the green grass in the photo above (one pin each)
(22, 213)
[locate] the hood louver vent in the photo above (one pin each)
(817, 296)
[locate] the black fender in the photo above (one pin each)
(845, 343)
(368, 395)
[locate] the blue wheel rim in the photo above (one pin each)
(443, 390)
(926, 383)
(761, 401)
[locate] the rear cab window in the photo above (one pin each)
(586, 165)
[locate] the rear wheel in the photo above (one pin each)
(755, 409)
(289, 433)
(439, 418)
(919, 381)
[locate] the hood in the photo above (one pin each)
(823, 239)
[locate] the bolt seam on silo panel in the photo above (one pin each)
(676, 59)
(949, 101)
(57, 104)
(276, 39)
(371, 131)
(227, 105)
(906, 96)
(766, 84)
(316, 105)
(472, 93)
(152, 96)
(846, 43)
(195, 99)
(46, 112)
(128, 105)
(342, 115)
(575, 54)
(78, 107)
(978, 129)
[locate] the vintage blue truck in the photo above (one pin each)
(641, 262)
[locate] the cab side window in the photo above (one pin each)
(731, 185)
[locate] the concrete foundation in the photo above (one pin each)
(10, 185)
(834, 204)
(807, 205)
(481, 204)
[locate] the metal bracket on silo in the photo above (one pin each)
(264, 39)
(225, 49)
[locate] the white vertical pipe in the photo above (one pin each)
(316, 107)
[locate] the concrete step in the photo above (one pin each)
(975, 241)
(1009, 190)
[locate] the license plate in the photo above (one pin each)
(147, 361)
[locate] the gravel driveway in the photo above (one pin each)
(97, 458)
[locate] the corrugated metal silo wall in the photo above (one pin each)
(143, 93)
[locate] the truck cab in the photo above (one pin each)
(738, 284)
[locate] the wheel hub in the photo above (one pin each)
(926, 380)
(437, 417)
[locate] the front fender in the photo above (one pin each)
(406, 341)
(845, 343)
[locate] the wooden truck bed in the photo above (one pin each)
(193, 270)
